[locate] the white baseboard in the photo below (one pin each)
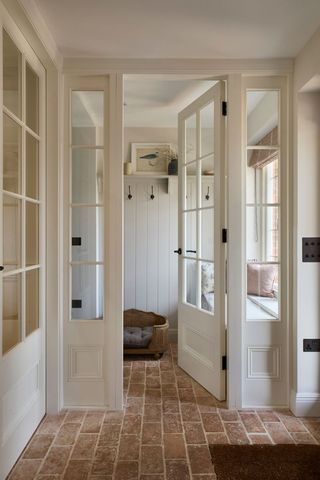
(173, 335)
(305, 404)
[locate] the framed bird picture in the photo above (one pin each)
(150, 158)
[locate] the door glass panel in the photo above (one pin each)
(191, 139)
(262, 117)
(32, 301)
(11, 312)
(87, 108)
(87, 292)
(262, 292)
(271, 181)
(207, 193)
(191, 233)
(11, 155)
(32, 99)
(32, 167)
(11, 233)
(191, 281)
(87, 176)
(191, 185)
(207, 286)
(32, 234)
(207, 233)
(87, 234)
(206, 121)
(11, 76)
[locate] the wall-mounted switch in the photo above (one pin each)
(76, 241)
(311, 344)
(311, 249)
(76, 303)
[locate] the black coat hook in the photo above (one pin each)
(152, 196)
(208, 196)
(129, 196)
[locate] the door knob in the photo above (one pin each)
(179, 251)
(1, 268)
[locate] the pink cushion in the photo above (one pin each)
(260, 279)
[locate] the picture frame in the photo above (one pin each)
(150, 158)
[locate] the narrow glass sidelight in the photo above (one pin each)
(263, 220)
(86, 205)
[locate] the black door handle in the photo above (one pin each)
(179, 251)
(191, 251)
(1, 268)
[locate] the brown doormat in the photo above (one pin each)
(266, 462)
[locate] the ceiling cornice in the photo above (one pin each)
(89, 65)
(35, 18)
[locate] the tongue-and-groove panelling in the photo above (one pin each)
(150, 237)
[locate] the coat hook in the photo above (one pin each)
(152, 196)
(129, 196)
(208, 196)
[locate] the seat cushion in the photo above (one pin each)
(137, 337)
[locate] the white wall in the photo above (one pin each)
(150, 237)
(305, 395)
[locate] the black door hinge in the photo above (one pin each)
(224, 108)
(224, 362)
(224, 235)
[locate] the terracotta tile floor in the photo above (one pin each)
(164, 432)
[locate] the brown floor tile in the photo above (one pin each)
(170, 405)
(77, 470)
(313, 427)
(92, 422)
(200, 391)
(152, 413)
(217, 438)
(138, 365)
(177, 470)
(260, 438)
(127, 470)
(151, 434)
(131, 424)
(153, 395)
(168, 377)
(152, 371)
(204, 477)
(126, 372)
(109, 434)
(25, 470)
(172, 423)
(194, 433)
(136, 390)
(293, 424)
(134, 406)
(138, 377)
(174, 446)
(129, 447)
(268, 416)
(169, 390)
(153, 382)
(104, 461)
(187, 395)
(151, 477)
(100, 477)
(303, 438)
(38, 447)
(84, 447)
(229, 415)
(114, 417)
(278, 433)
(151, 459)
(75, 416)
(184, 382)
(200, 459)
(67, 434)
(56, 460)
(190, 412)
(51, 424)
(206, 405)
(236, 433)
(252, 423)
(212, 422)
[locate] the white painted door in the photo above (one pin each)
(201, 314)
(22, 252)
(84, 226)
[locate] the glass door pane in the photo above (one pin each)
(11, 76)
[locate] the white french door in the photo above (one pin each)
(22, 252)
(201, 311)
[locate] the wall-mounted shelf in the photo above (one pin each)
(168, 179)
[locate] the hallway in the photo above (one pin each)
(163, 434)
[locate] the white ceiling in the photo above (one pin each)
(180, 28)
(156, 100)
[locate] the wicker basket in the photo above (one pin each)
(159, 340)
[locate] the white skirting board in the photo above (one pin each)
(305, 404)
